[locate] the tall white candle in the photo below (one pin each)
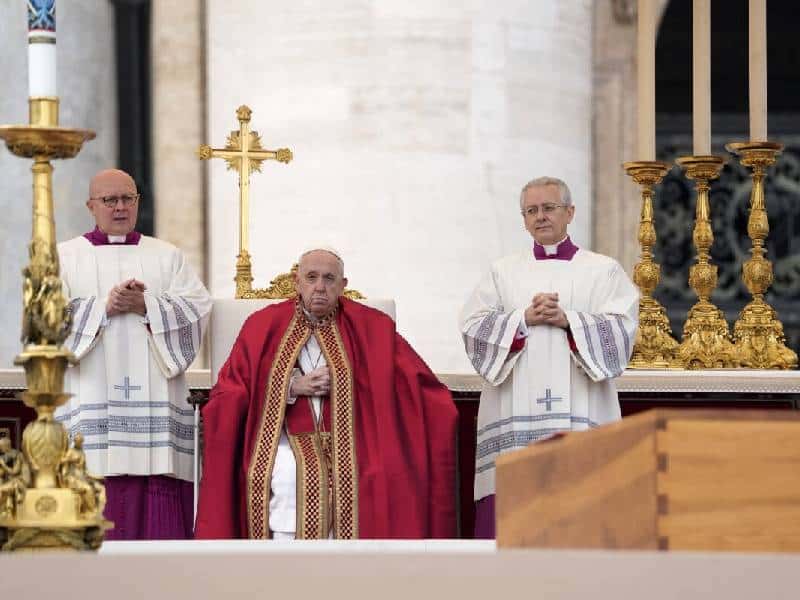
(41, 48)
(758, 70)
(701, 77)
(646, 80)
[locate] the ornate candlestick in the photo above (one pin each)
(706, 341)
(47, 499)
(654, 348)
(758, 334)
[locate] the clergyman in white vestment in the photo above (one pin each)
(548, 329)
(138, 317)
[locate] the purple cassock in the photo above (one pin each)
(484, 508)
(145, 507)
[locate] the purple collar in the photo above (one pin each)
(98, 238)
(565, 251)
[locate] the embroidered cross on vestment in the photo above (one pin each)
(548, 399)
(127, 387)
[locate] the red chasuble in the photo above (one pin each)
(392, 429)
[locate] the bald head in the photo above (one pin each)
(110, 182)
(113, 202)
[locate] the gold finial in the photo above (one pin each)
(243, 113)
(204, 152)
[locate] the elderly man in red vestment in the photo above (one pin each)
(324, 423)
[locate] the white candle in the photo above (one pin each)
(41, 48)
(646, 80)
(701, 77)
(758, 70)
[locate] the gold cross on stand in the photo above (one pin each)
(243, 153)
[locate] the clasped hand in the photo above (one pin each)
(126, 297)
(315, 383)
(544, 310)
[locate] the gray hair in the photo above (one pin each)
(563, 190)
(324, 248)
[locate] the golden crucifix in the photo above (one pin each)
(243, 153)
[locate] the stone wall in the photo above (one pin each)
(414, 125)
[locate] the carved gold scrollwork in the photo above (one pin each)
(282, 287)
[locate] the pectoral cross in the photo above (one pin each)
(243, 153)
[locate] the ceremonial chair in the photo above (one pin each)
(227, 317)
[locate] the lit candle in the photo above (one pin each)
(758, 70)
(41, 48)
(701, 77)
(646, 80)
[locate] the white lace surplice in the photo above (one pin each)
(130, 395)
(546, 388)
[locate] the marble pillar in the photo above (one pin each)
(87, 89)
(179, 126)
(414, 125)
(616, 198)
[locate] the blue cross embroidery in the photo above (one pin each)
(548, 399)
(127, 387)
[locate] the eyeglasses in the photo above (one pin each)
(547, 209)
(111, 201)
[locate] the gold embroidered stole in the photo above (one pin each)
(313, 456)
(313, 518)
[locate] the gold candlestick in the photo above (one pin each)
(47, 499)
(706, 340)
(758, 334)
(654, 348)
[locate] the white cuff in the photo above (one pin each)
(295, 374)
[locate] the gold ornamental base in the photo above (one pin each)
(49, 519)
(759, 339)
(43, 503)
(654, 346)
(706, 341)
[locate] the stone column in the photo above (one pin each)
(616, 197)
(178, 126)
